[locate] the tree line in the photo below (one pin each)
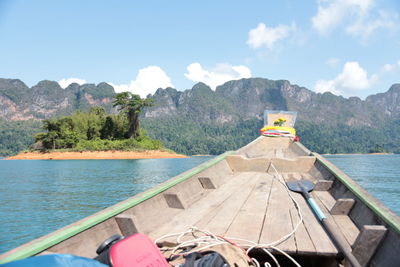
(96, 130)
(184, 135)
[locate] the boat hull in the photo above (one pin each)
(240, 195)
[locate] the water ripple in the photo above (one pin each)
(40, 196)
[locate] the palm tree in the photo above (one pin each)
(131, 105)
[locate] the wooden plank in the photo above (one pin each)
(288, 176)
(326, 198)
(343, 222)
(206, 183)
(249, 220)
(279, 153)
(347, 227)
(92, 237)
(304, 244)
(367, 242)
(202, 208)
(342, 230)
(278, 221)
(306, 176)
(322, 243)
(173, 201)
(126, 225)
(223, 216)
(342, 206)
(297, 176)
(323, 185)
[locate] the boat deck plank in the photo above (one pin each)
(226, 213)
(344, 223)
(201, 209)
(348, 228)
(304, 244)
(330, 219)
(250, 218)
(278, 222)
(254, 206)
(326, 198)
(319, 237)
(302, 238)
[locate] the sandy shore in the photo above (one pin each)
(150, 154)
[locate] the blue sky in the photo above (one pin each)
(348, 47)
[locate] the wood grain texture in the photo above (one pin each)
(278, 220)
(249, 220)
(367, 242)
(342, 206)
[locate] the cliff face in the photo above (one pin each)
(235, 100)
(47, 99)
(248, 98)
(203, 121)
(389, 102)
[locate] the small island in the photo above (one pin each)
(97, 135)
(111, 154)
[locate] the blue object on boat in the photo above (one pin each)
(55, 260)
(316, 209)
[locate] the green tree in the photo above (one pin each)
(131, 105)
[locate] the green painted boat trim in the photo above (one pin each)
(384, 214)
(111, 212)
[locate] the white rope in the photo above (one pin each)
(272, 257)
(297, 206)
(287, 255)
(209, 239)
(256, 262)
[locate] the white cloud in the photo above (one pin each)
(364, 27)
(333, 62)
(331, 13)
(358, 16)
(65, 82)
(147, 81)
(391, 67)
(350, 81)
(268, 36)
(388, 67)
(218, 75)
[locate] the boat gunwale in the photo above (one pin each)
(42, 243)
(367, 199)
(54, 238)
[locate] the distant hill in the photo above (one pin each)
(248, 98)
(203, 121)
(47, 99)
(200, 120)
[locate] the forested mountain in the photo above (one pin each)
(47, 99)
(203, 121)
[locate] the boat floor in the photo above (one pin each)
(256, 206)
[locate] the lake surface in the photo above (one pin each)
(378, 174)
(40, 196)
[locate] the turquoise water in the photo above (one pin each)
(378, 174)
(40, 196)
